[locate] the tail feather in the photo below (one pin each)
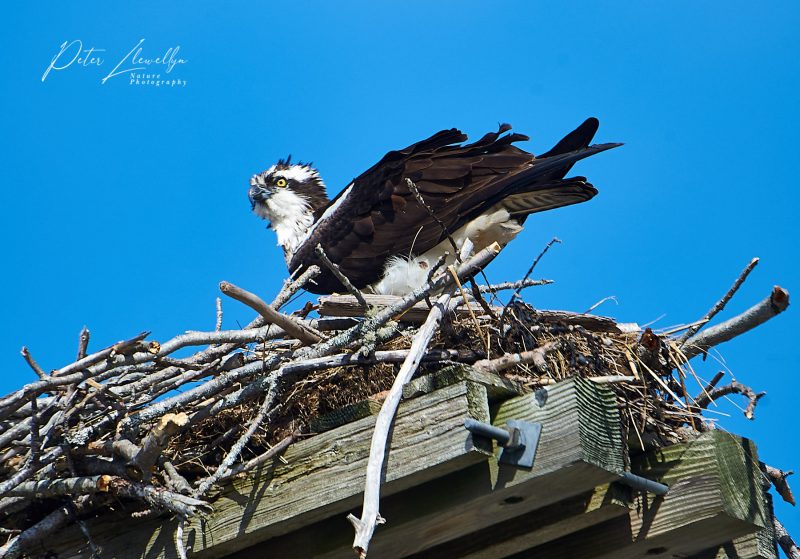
(548, 196)
(542, 186)
(575, 140)
(547, 170)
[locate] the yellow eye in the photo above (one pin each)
(281, 182)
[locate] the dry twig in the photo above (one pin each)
(692, 330)
(415, 191)
(345, 281)
(734, 387)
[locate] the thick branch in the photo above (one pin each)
(29, 470)
(71, 486)
(295, 328)
(772, 306)
(156, 497)
(511, 360)
(175, 480)
(83, 342)
(11, 402)
(370, 515)
(785, 540)
(32, 363)
(778, 479)
(156, 441)
(37, 533)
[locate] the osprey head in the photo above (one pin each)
(291, 197)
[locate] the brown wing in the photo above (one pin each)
(378, 216)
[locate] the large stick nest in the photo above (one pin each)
(131, 425)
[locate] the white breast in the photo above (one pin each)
(290, 216)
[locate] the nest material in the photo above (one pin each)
(649, 408)
(157, 433)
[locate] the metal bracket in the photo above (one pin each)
(518, 440)
(643, 484)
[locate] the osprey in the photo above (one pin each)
(380, 235)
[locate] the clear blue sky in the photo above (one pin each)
(124, 206)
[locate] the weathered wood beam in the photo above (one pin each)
(759, 545)
(323, 476)
(497, 387)
(325, 539)
(715, 496)
(537, 527)
(580, 448)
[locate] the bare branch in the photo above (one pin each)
(175, 480)
(292, 287)
(415, 191)
(262, 458)
(83, 342)
(345, 281)
(772, 306)
(370, 516)
(692, 330)
(600, 302)
(785, 540)
(179, 539)
(32, 363)
(29, 470)
(536, 357)
(155, 442)
(297, 329)
(159, 498)
(60, 487)
(37, 533)
(529, 272)
(778, 479)
(236, 449)
(733, 388)
(11, 402)
(515, 285)
(710, 386)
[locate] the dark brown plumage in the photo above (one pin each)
(378, 216)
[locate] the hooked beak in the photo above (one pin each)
(257, 193)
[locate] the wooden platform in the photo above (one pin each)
(446, 495)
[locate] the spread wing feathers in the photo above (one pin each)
(379, 217)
